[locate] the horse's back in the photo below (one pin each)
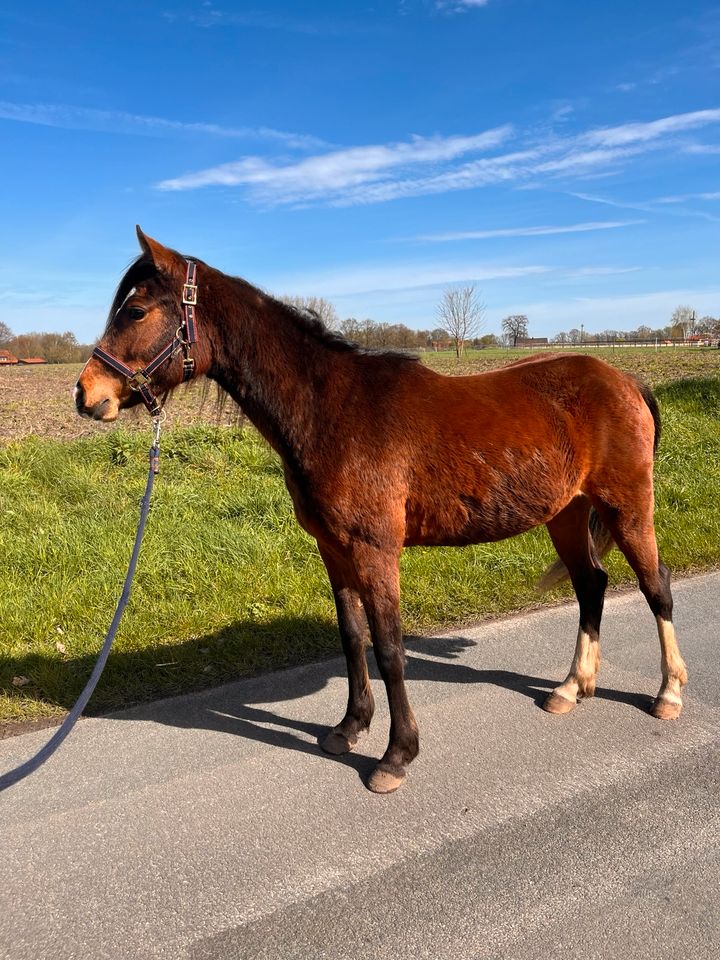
(503, 451)
(539, 394)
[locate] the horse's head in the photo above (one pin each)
(145, 316)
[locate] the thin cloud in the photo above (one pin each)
(477, 173)
(683, 197)
(460, 6)
(423, 166)
(582, 272)
(618, 312)
(374, 278)
(658, 205)
(644, 132)
(542, 231)
(208, 16)
(339, 170)
(113, 121)
(703, 148)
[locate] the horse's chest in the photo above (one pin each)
(313, 511)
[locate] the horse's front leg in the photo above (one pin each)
(379, 584)
(353, 633)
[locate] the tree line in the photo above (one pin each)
(684, 324)
(369, 333)
(53, 347)
(460, 318)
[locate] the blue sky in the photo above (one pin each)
(562, 156)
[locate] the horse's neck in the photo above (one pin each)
(279, 373)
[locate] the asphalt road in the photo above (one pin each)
(212, 826)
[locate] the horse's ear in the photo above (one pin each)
(166, 260)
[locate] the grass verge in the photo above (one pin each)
(227, 583)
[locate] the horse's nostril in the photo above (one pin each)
(79, 396)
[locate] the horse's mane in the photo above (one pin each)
(312, 324)
(142, 268)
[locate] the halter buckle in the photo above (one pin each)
(138, 380)
(189, 294)
(188, 369)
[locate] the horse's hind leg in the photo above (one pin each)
(634, 533)
(354, 634)
(571, 537)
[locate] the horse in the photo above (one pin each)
(380, 452)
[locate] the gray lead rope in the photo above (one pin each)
(25, 769)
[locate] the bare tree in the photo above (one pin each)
(461, 313)
(322, 308)
(6, 333)
(350, 329)
(516, 327)
(708, 324)
(684, 318)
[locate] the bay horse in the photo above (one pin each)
(380, 452)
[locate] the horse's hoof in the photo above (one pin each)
(337, 743)
(665, 709)
(557, 704)
(385, 779)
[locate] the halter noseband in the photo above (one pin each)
(139, 380)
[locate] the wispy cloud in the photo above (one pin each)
(527, 231)
(683, 197)
(208, 16)
(113, 121)
(584, 273)
(709, 148)
(657, 204)
(460, 6)
(644, 132)
(340, 170)
(624, 312)
(608, 202)
(422, 166)
(370, 278)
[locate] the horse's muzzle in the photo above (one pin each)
(94, 412)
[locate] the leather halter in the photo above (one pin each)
(140, 379)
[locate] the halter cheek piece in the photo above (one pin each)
(139, 380)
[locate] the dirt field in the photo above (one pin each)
(38, 400)
(653, 366)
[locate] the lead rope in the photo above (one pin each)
(25, 769)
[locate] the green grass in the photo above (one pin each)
(227, 582)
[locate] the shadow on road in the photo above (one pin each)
(136, 672)
(219, 710)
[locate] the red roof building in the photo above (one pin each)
(32, 360)
(7, 358)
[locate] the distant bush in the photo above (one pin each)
(53, 347)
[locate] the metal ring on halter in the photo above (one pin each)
(138, 380)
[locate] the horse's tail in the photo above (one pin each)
(602, 542)
(602, 538)
(652, 405)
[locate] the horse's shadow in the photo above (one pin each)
(219, 711)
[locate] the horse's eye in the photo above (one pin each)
(136, 313)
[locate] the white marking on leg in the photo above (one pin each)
(674, 672)
(581, 679)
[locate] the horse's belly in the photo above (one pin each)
(484, 512)
(472, 522)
